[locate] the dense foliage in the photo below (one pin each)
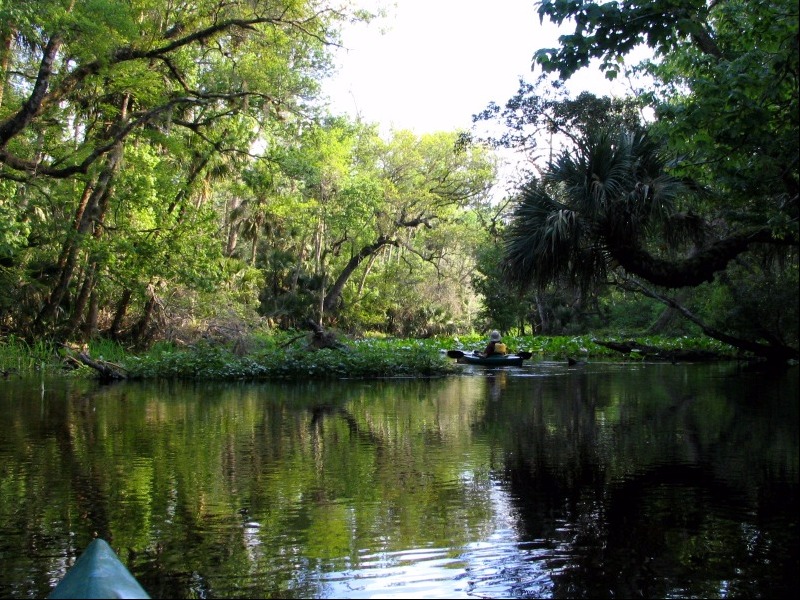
(171, 173)
(696, 206)
(165, 167)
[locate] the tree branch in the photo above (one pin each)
(41, 99)
(19, 120)
(772, 352)
(697, 269)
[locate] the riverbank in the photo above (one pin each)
(283, 355)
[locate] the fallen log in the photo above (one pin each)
(107, 371)
(655, 353)
(319, 338)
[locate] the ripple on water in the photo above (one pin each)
(494, 568)
(410, 573)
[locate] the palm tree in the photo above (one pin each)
(591, 207)
(611, 207)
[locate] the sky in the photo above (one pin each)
(432, 64)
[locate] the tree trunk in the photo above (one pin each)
(544, 320)
(28, 111)
(194, 173)
(67, 257)
(5, 55)
(774, 352)
(254, 248)
(655, 353)
(368, 268)
(334, 294)
(233, 231)
(119, 314)
(91, 210)
(73, 246)
(699, 268)
(139, 331)
(89, 329)
(107, 371)
(301, 257)
(663, 321)
(81, 302)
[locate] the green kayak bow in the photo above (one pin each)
(98, 573)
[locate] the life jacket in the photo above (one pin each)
(500, 348)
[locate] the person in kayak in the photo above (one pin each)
(495, 345)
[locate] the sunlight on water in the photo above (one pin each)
(495, 567)
(605, 481)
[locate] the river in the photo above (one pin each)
(545, 481)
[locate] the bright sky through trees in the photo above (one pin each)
(432, 64)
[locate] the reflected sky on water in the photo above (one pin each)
(599, 481)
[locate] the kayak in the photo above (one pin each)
(495, 360)
(98, 573)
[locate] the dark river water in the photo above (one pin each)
(602, 481)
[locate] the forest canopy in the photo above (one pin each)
(697, 206)
(162, 164)
(171, 167)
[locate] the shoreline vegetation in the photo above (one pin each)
(287, 356)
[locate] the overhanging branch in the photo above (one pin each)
(699, 268)
(776, 351)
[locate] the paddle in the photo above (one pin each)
(460, 354)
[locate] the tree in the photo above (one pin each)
(725, 102)
(423, 182)
(365, 203)
(725, 91)
(599, 210)
(116, 122)
(543, 113)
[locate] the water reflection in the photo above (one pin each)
(540, 481)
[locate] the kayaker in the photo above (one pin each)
(495, 345)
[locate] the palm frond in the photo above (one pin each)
(545, 241)
(612, 190)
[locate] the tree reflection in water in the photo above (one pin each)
(540, 481)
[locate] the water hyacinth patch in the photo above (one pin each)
(284, 356)
(363, 359)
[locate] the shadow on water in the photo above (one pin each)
(685, 488)
(608, 480)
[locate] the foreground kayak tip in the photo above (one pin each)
(98, 573)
